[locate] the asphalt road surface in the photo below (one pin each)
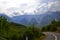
(52, 36)
(58, 35)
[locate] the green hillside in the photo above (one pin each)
(14, 31)
(54, 26)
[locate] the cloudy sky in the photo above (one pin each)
(29, 7)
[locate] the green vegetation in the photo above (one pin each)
(14, 31)
(53, 27)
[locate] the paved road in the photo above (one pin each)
(52, 36)
(58, 35)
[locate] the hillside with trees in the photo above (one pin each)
(14, 31)
(54, 26)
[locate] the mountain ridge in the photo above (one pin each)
(40, 20)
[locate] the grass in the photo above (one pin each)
(41, 38)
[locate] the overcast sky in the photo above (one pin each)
(29, 7)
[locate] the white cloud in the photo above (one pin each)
(55, 6)
(10, 6)
(43, 8)
(29, 7)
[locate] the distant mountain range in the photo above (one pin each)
(40, 20)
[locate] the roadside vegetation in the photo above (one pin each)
(54, 26)
(14, 31)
